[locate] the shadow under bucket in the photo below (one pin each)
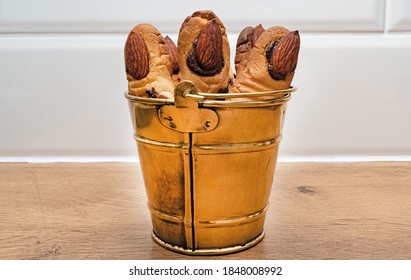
(208, 166)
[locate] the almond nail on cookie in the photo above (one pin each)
(148, 62)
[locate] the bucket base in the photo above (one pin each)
(205, 252)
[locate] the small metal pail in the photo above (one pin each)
(208, 164)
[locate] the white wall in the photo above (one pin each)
(62, 74)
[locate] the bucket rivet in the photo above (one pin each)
(206, 123)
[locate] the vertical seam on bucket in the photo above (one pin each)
(191, 165)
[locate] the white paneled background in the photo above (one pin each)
(62, 75)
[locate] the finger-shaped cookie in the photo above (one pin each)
(148, 63)
(204, 52)
(270, 64)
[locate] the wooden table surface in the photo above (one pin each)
(98, 211)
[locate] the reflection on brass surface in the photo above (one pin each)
(208, 166)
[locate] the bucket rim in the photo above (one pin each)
(218, 99)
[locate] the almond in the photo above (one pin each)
(172, 49)
(209, 47)
(245, 37)
(258, 30)
(249, 36)
(136, 56)
(285, 53)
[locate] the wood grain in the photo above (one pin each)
(98, 211)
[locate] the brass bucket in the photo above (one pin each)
(208, 166)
